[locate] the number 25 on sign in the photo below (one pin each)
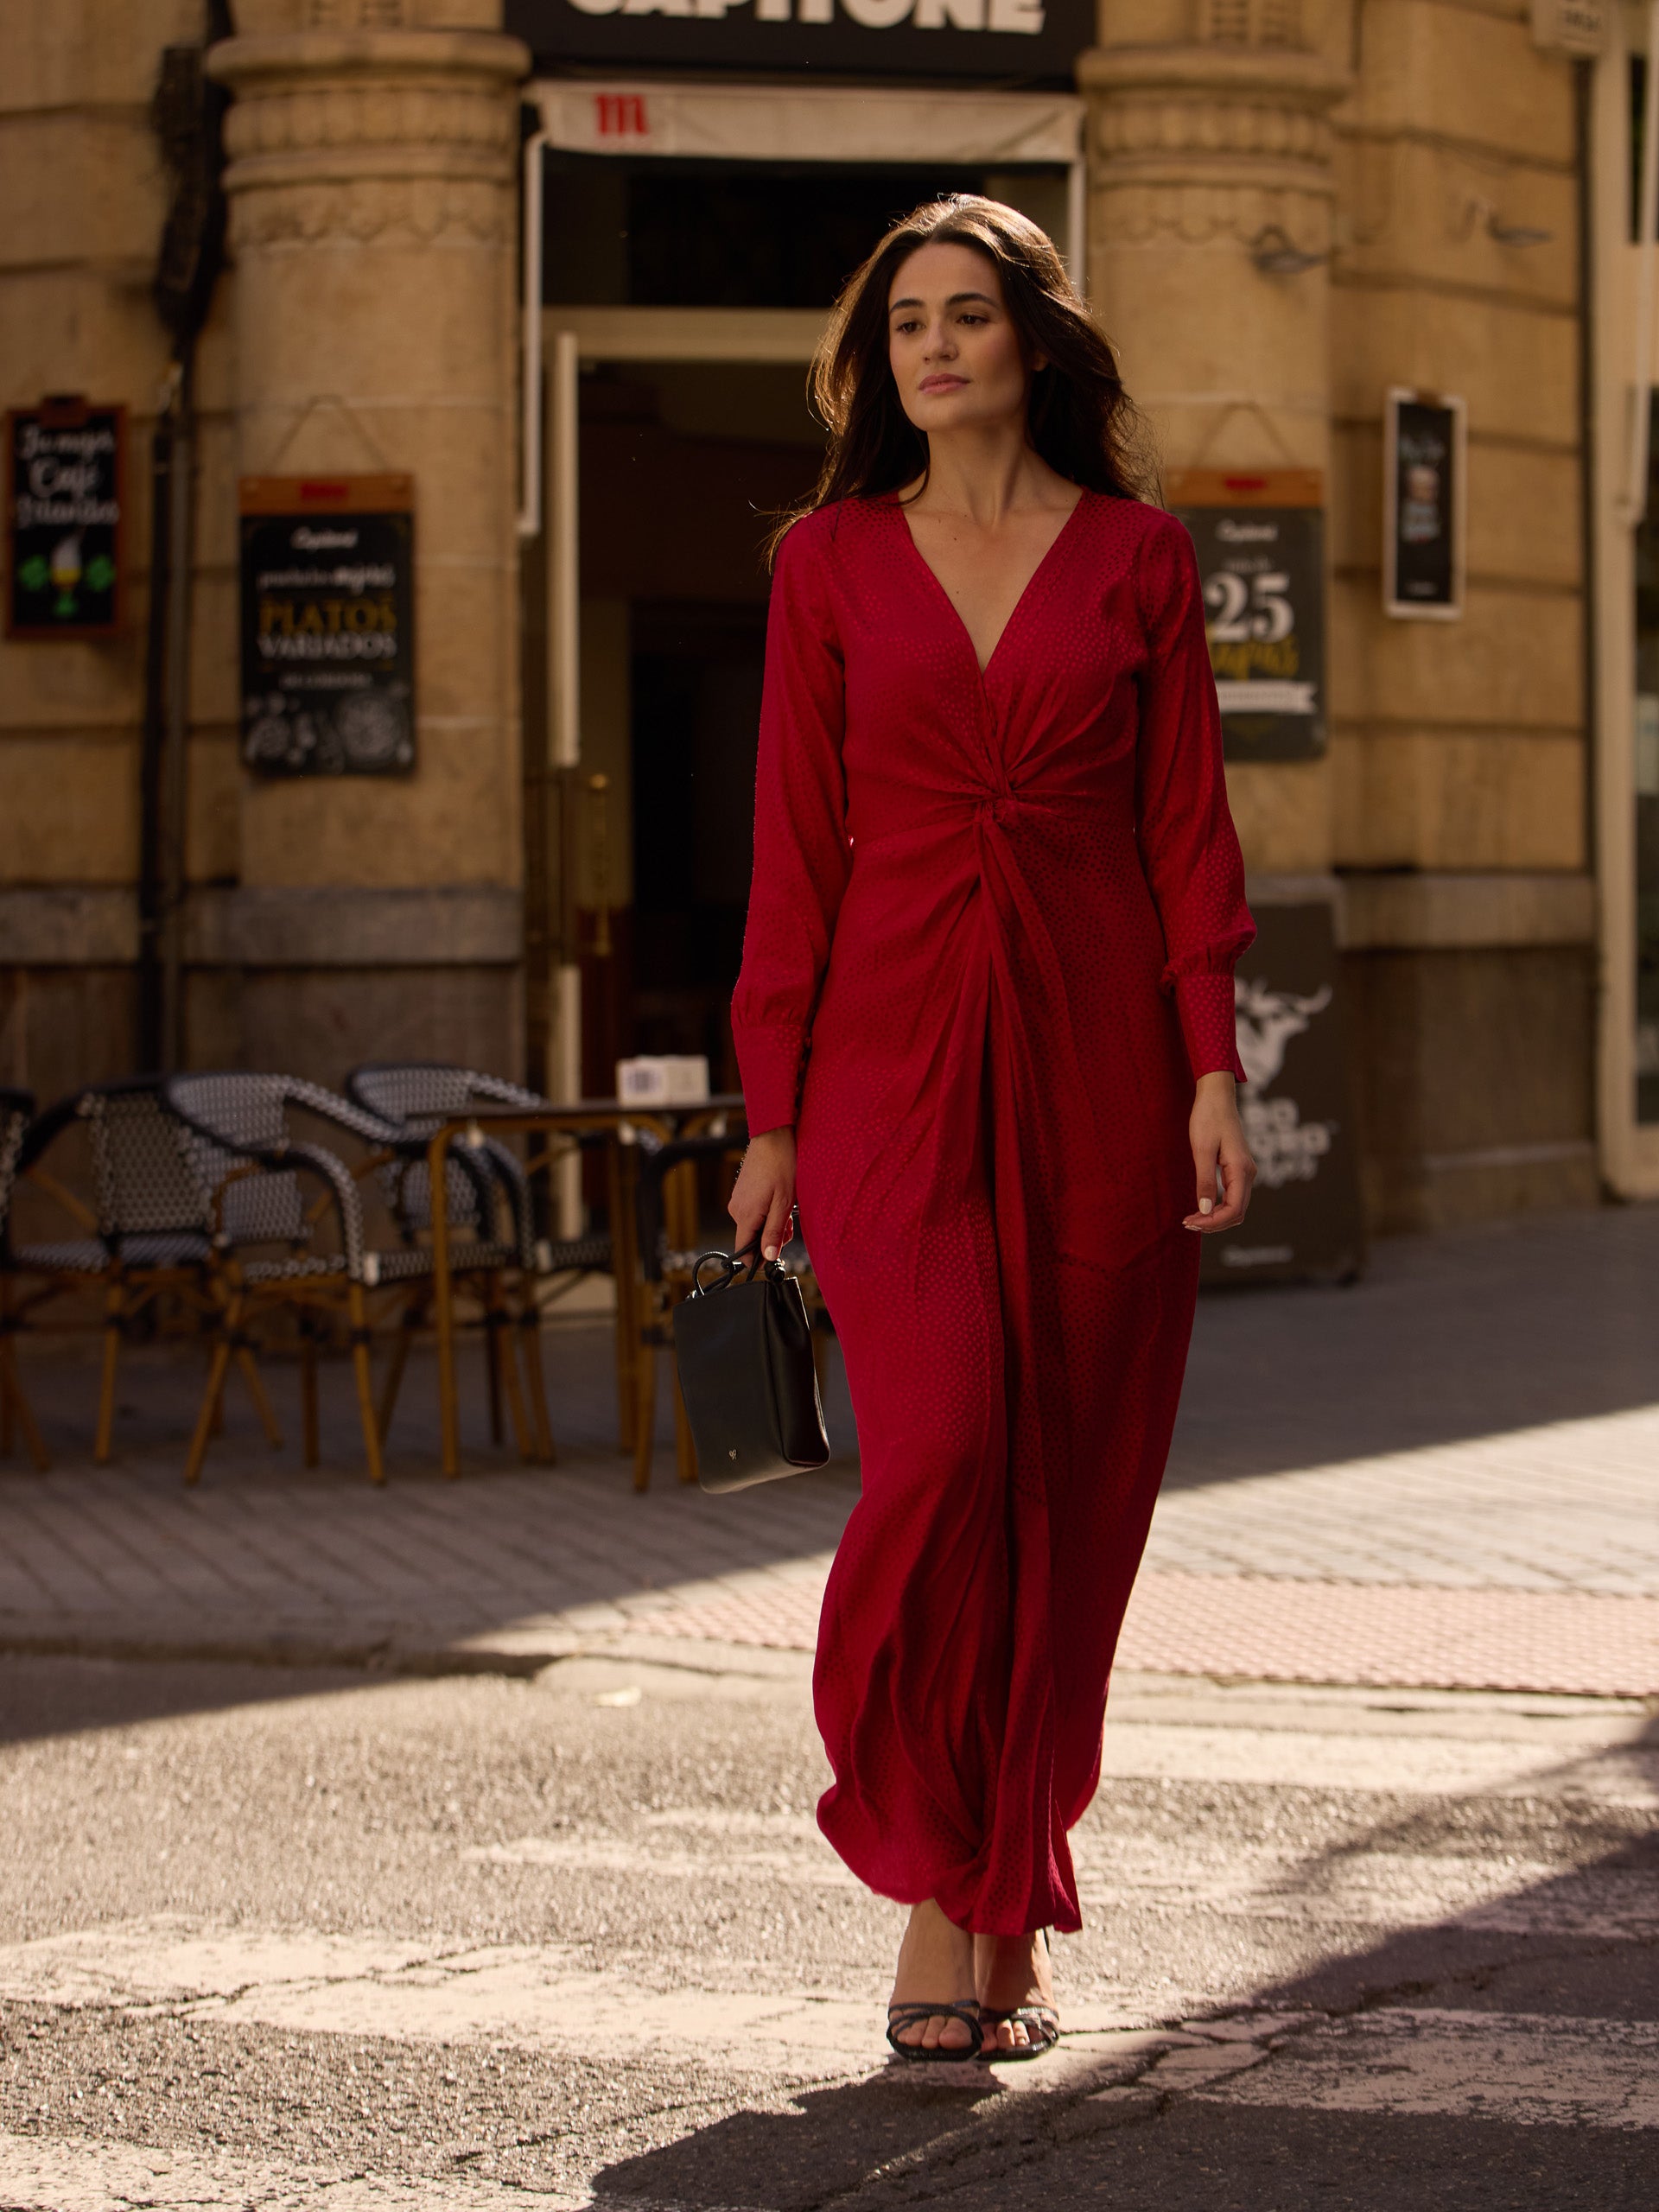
(1259, 536)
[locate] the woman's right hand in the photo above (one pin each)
(764, 1196)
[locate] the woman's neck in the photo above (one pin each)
(985, 473)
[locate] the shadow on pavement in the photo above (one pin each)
(42, 1697)
(1471, 1333)
(1560, 1946)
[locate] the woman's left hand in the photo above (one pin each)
(1219, 1150)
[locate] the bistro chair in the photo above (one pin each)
(417, 1095)
(17, 1111)
(268, 1255)
(149, 1235)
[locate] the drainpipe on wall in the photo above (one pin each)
(187, 113)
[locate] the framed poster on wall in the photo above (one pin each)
(328, 591)
(1424, 437)
(65, 460)
(1259, 538)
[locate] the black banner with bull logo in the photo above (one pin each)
(1305, 1215)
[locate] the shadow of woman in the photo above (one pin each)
(823, 2144)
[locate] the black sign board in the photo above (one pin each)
(1259, 538)
(1303, 1218)
(1422, 506)
(64, 477)
(1008, 40)
(328, 625)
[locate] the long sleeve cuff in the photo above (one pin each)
(770, 1062)
(1204, 1003)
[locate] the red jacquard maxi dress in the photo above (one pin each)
(990, 945)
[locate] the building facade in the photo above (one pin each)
(556, 269)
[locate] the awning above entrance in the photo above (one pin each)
(817, 123)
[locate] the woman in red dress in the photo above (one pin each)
(985, 1025)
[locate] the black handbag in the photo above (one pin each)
(743, 1345)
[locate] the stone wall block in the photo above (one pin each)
(453, 821)
(215, 648)
(87, 53)
(213, 841)
(80, 187)
(1514, 660)
(1462, 73)
(1515, 365)
(1282, 812)
(1421, 211)
(68, 810)
(80, 330)
(1442, 798)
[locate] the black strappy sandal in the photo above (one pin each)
(906, 2016)
(1040, 2022)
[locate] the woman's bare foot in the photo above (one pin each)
(1010, 1971)
(936, 1961)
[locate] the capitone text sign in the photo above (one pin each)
(933, 38)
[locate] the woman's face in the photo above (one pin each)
(955, 353)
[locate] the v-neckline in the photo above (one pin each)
(1058, 539)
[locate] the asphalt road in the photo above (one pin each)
(272, 1939)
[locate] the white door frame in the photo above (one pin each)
(1628, 1149)
(571, 336)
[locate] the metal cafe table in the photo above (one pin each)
(618, 1125)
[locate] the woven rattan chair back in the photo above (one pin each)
(230, 1116)
(17, 1111)
(418, 1094)
(144, 1177)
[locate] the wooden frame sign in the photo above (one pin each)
(64, 464)
(1424, 441)
(328, 591)
(1260, 539)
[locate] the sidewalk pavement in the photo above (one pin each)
(1445, 1476)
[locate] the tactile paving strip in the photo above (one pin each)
(1275, 1629)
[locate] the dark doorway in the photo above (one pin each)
(697, 674)
(684, 466)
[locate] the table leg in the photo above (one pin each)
(443, 1299)
(625, 1268)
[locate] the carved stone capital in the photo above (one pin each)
(1213, 115)
(357, 132)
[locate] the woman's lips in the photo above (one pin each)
(943, 383)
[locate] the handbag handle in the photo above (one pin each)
(731, 1266)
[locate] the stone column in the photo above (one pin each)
(1211, 160)
(374, 159)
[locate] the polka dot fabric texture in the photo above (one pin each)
(990, 943)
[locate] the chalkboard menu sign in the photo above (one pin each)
(64, 476)
(1260, 536)
(1422, 506)
(1305, 1217)
(1005, 39)
(327, 625)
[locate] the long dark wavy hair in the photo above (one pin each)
(1079, 418)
